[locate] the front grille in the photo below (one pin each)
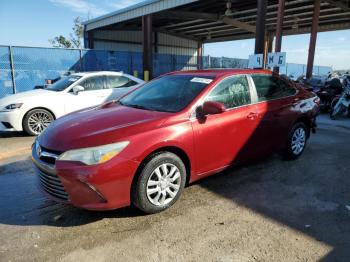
(49, 181)
(48, 156)
(53, 185)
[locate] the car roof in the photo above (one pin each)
(221, 72)
(97, 73)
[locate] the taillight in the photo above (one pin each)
(317, 100)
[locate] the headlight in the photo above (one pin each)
(13, 106)
(94, 155)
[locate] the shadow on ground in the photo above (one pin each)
(5, 134)
(24, 204)
(311, 194)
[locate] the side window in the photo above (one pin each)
(119, 81)
(286, 88)
(270, 87)
(232, 92)
(93, 83)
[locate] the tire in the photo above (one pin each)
(151, 194)
(36, 120)
(332, 115)
(334, 102)
(296, 142)
(337, 111)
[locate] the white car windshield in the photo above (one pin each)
(63, 83)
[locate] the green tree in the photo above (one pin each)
(75, 38)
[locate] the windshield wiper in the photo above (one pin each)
(135, 106)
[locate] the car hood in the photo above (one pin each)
(105, 124)
(24, 96)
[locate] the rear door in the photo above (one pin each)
(276, 101)
(220, 139)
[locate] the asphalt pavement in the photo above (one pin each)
(272, 210)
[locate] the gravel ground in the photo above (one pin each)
(272, 210)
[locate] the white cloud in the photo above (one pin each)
(119, 4)
(80, 6)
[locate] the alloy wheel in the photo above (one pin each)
(163, 185)
(38, 121)
(298, 140)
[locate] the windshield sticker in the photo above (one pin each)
(73, 79)
(201, 80)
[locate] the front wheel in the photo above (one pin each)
(296, 142)
(36, 120)
(160, 183)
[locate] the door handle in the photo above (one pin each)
(252, 115)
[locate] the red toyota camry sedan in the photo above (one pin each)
(174, 130)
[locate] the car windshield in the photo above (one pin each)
(63, 83)
(170, 93)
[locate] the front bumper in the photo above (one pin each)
(99, 187)
(11, 121)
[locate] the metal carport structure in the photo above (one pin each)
(188, 24)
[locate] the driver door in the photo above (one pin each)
(94, 94)
(219, 139)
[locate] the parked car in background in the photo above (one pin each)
(178, 128)
(34, 110)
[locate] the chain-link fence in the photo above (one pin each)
(26, 68)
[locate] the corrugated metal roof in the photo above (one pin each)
(134, 11)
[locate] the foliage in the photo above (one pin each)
(75, 38)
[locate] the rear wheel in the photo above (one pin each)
(160, 183)
(36, 120)
(296, 142)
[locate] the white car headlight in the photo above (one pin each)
(94, 155)
(13, 106)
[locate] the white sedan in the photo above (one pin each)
(34, 110)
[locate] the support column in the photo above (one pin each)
(313, 38)
(279, 29)
(147, 47)
(270, 42)
(90, 40)
(268, 46)
(260, 27)
(199, 55)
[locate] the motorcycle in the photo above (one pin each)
(340, 105)
(332, 89)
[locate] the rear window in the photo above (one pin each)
(271, 87)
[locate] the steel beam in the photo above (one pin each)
(279, 28)
(260, 27)
(340, 4)
(239, 24)
(313, 38)
(199, 55)
(147, 45)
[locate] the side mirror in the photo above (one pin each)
(211, 108)
(77, 89)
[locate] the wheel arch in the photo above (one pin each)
(34, 108)
(172, 149)
(305, 120)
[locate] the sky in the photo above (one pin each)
(32, 23)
